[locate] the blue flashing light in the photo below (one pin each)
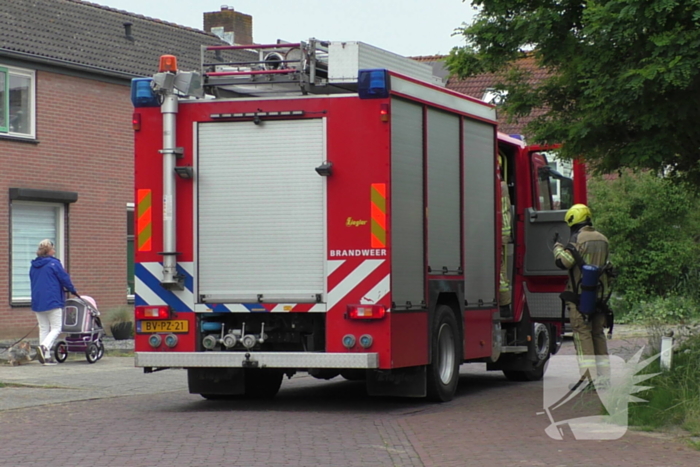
(142, 94)
(373, 84)
(520, 137)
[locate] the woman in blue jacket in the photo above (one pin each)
(49, 282)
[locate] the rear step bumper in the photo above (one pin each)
(298, 360)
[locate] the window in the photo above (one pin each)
(16, 102)
(494, 96)
(562, 187)
(541, 189)
(554, 187)
(130, 282)
(31, 223)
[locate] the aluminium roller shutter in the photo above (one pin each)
(261, 211)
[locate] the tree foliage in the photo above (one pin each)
(623, 86)
(652, 224)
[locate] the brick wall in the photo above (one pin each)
(232, 21)
(86, 146)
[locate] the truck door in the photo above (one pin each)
(552, 195)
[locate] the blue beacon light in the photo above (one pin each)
(142, 94)
(373, 84)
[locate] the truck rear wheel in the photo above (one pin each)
(262, 383)
(219, 397)
(354, 375)
(443, 371)
(530, 375)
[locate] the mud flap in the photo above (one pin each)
(402, 382)
(216, 381)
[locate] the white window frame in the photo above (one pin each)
(31, 74)
(59, 241)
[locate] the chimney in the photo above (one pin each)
(228, 22)
(127, 31)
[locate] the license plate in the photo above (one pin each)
(177, 325)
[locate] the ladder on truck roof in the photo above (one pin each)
(312, 67)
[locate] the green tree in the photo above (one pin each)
(623, 85)
(652, 224)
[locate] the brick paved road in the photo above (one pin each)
(492, 422)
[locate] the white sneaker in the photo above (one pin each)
(50, 362)
(40, 354)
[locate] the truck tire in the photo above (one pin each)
(219, 397)
(354, 375)
(443, 371)
(262, 383)
(542, 338)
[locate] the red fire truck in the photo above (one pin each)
(332, 208)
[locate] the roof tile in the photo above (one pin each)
(476, 86)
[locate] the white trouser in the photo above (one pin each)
(49, 326)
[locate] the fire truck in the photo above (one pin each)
(331, 208)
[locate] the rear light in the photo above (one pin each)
(384, 112)
(366, 311)
(152, 312)
(136, 121)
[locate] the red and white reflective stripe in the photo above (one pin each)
(350, 284)
(352, 280)
(332, 265)
(378, 292)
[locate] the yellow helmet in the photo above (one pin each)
(576, 214)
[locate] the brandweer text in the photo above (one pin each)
(365, 252)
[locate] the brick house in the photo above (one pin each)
(66, 142)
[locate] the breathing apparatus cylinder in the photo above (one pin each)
(589, 289)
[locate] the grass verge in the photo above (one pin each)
(674, 399)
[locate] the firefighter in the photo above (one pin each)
(504, 290)
(586, 246)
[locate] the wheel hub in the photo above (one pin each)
(446, 353)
